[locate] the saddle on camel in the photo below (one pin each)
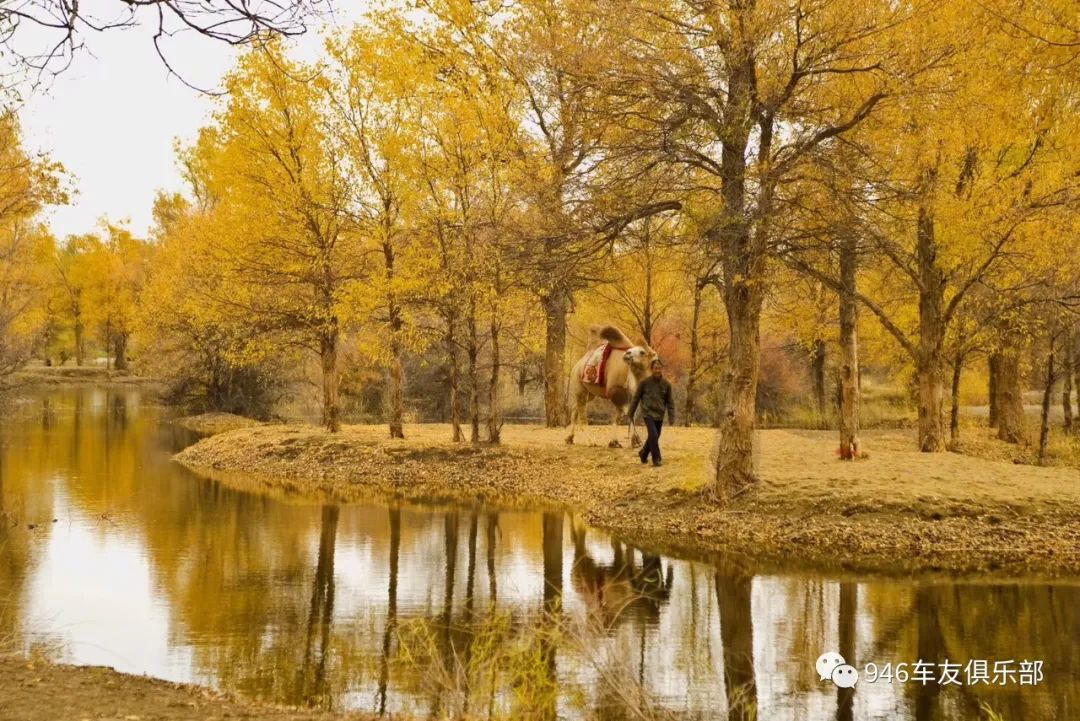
(595, 371)
(611, 369)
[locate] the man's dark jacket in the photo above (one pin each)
(654, 396)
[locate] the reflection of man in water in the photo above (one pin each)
(654, 396)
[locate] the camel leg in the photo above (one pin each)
(576, 413)
(616, 412)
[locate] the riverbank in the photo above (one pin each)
(36, 690)
(38, 376)
(896, 512)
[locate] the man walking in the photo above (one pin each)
(654, 397)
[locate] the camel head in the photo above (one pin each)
(639, 358)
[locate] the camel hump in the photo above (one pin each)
(611, 334)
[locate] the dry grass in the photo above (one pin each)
(896, 511)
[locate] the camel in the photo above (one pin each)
(627, 366)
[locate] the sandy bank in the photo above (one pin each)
(41, 376)
(210, 424)
(898, 511)
(43, 691)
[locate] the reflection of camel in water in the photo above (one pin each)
(619, 590)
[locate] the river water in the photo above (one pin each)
(112, 554)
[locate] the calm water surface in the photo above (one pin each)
(436, 611)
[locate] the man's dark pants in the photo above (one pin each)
(652, 443)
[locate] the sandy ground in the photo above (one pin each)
(42, 691)
(898, 511)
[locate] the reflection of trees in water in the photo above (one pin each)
(734, 584)
(961, 622)
(390, 625)
(846, 630)
(311, 682)
(251, 586)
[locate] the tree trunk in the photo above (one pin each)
(647, 320)
(472, 354)
(120, 362)
(494, 428)
(1067, 384)
(734, 470)
(328, 355)
(992, 364)
(850, 396)
(695, 356)
(1047, 399)
(931, 336)
(1010, 400)
(453, 375)
(954, 413)
(817, 372)
(395, 393)
(80, 340)
(1075, 344)
(556, 306)
(931, 405)
(743, 260)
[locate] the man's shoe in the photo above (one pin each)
(657, 464)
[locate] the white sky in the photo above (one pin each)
(113, 117)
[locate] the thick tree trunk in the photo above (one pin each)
(494, 425)
(992, 364)
(695, 357)
(931, 405)
(954, 412)
(1047, 399)
(120, 362)
(328, 356)
(817, 372)
(472, 354)
(1067, 384)
(848, 391)
(929, 363)
(1010, 400)
(734, 470)
(743, 258)
(556, 306)
(395, 391)
(453, 375)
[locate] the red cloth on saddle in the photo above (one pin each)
(596, 366)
